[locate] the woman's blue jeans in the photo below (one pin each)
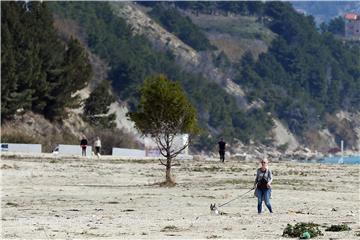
(264, 194)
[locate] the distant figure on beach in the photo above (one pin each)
(97, 146)
(83, 145)
(263, 185)
(222, 149)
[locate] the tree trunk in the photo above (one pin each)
(169, 179)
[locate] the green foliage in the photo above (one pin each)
(338, 228)
(97, 106)
(132, 59)
(299, 228)
(335, 26)
(76, 71)
(221, 60)
(164, 112)
(211, 7)
(180, 26)
(164, 109)
(283, 147)
(38, 72)
(304, 74)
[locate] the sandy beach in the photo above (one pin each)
(47, 197)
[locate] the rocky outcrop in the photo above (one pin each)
(283, 137)
(354, 123)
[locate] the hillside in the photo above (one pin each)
(272, 77)
(234, 34)
(215, 20)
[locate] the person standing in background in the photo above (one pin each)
(97, 146)
(83, 145)
(222, 145)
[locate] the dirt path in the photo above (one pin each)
(48, 198)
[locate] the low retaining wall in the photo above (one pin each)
(21, 147)
(64, 149)
(127, 152)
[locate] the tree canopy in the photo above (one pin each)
(164, 109)
(97, 106)
(39, 72)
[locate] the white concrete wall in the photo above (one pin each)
(19, 147)
(127, 152)
(65, 149)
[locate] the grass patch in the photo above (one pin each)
(170, 228)
(12, 204)
(5, 166)
(213, 237)
(300, 228)
(204, 196)
(206, 169)
(338, 228)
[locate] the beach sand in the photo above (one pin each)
(47, 197)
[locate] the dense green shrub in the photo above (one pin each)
(299, 228)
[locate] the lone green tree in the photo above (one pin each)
(163, 112)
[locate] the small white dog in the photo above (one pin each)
(214, 210)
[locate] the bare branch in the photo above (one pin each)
(160, 145)
(162, 162)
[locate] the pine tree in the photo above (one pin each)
(97, 106)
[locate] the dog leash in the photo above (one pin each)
(237, 197)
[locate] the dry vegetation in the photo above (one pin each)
(235, 34)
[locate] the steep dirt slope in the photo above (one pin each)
(186, 56)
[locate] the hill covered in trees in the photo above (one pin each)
(305, 76)
(132, 58)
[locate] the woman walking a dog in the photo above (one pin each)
(263, 185)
